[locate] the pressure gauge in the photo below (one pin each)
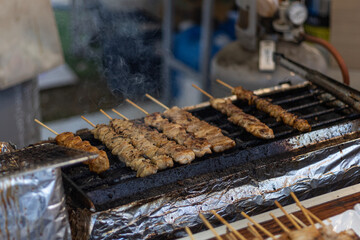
(297, 13)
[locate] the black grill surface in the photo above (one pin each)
(119, 184)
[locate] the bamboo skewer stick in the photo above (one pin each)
(287, 215)
(202, 91)
(250, 229)
(224, 84)
(315, 217)
(298, 220)
(207, 223)
(88, 121)
(156, 101)
(188, 231)
(254, 232)
(51, 130)
(103, 112)
(232, 236)
(121, 115)
(269, 234)
(237, 116)
(223, 221)
(302, 208)
(283, 227)
(137, 106)
(266, 106)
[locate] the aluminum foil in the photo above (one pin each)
(6, 147)
(32, 200)
(33, 206)
(166, 216)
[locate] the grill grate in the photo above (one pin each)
(306, 102)
(119, 185)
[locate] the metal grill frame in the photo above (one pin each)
(101, 193)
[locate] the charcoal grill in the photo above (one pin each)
(335, 125)
(329, 118)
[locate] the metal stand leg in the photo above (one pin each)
(206, 42)
(167, 49)
(205, 49)
(19, 107)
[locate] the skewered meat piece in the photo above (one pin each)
(238, 117)
(60, 139)
(200, 146)
(347, 235)
(191, 123)
(83, 145)
(122, 147)
(273, 110)
(161, 160)
(72, 141)
(200, 129)
(220, 143)
(325, 232)
(178, 152)
(98, 165)
(307, 233)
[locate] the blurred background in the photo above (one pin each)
(118, 49)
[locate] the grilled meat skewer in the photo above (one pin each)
(200, 146)
(250, 123)
(98, 165)
(200, 129)
(159, 158)
(273, 110)
(122, 147)
(312, 233)
(145, 147)
(178, 152)
(238, 117)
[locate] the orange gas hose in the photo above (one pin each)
(334, 52)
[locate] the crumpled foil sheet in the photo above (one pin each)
(168, 214)
(6, 147)
(33, 206)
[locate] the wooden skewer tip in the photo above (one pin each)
(269, 234)
(283, 227)
(253, 231)
(121, 115)
(107, 115)
(224, 84)
(232, 236)
(202, 91)
(188, 231)
(48, 128)
(156, 101)
(315, 217)
(298, 220)
(287, 215)
(88, 121)
(208, 224)
(137, 106)
(223, 221)
(302, 208)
